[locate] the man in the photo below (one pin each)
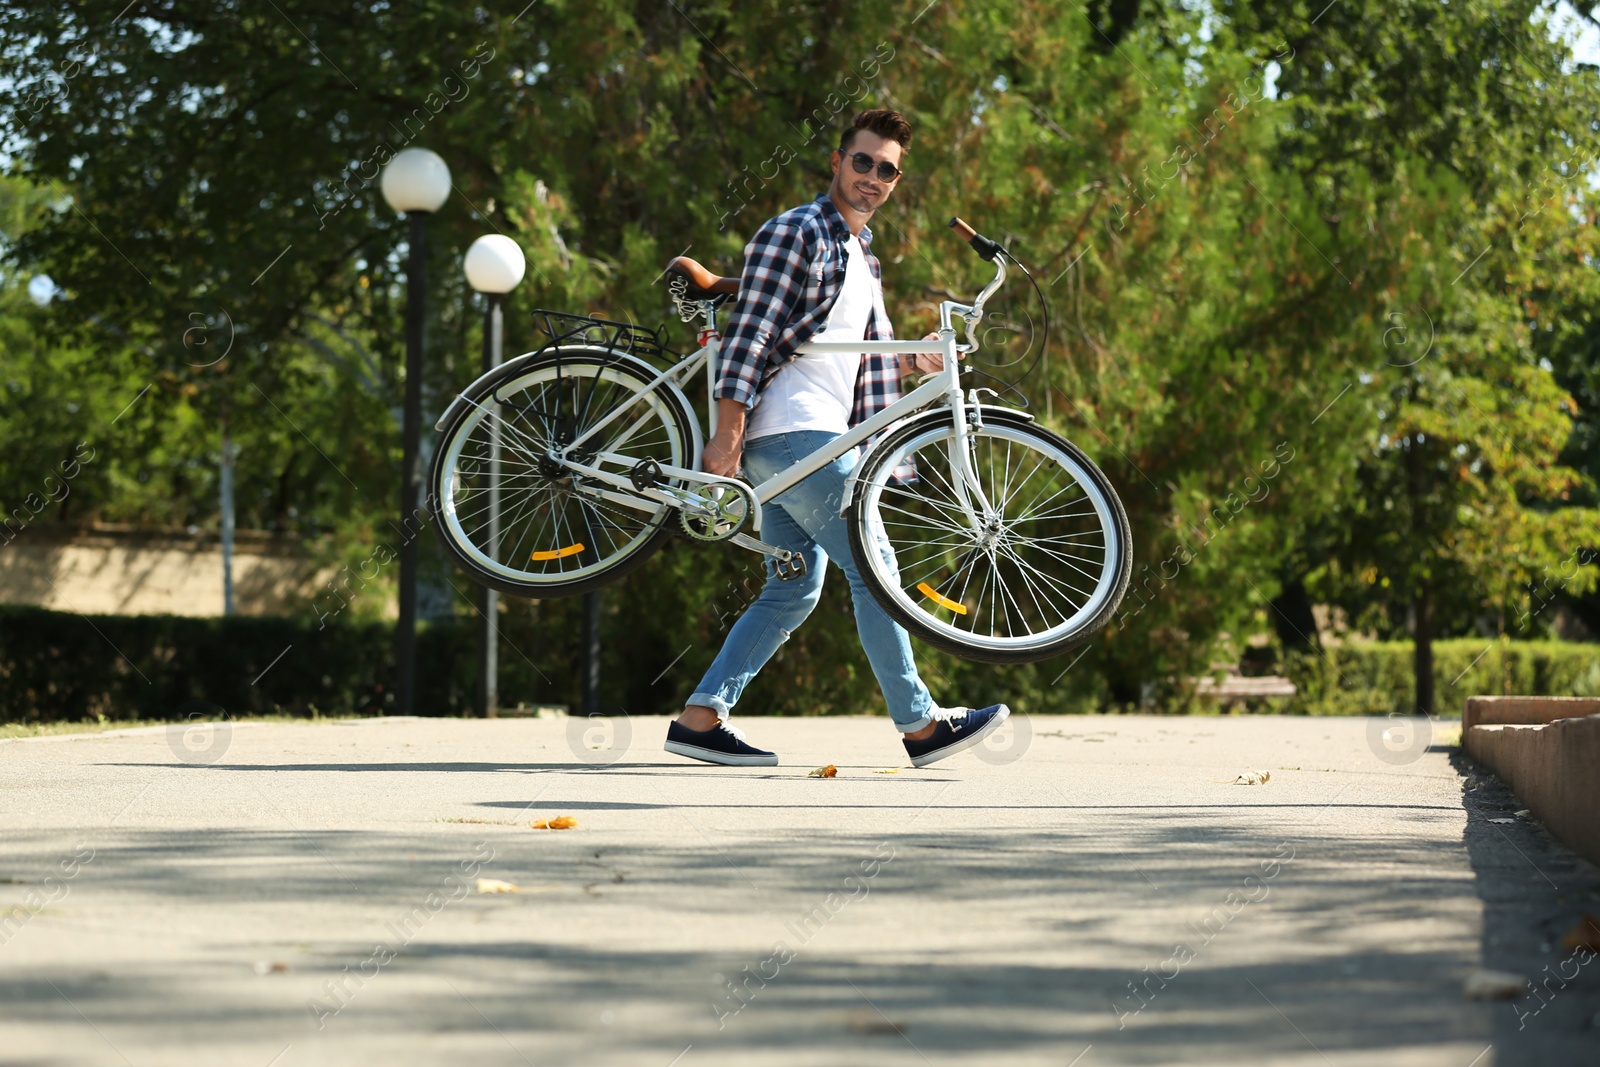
(809, 276)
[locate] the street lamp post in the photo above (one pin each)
(494, 266)
(416, 183)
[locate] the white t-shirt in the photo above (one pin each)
(817, 391)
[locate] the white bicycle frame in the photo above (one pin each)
(943, 385)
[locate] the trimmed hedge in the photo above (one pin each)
(59, 666)
(1376, 678)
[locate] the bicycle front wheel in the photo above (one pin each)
(523, 523)
(1042, 573)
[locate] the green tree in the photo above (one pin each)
(1224, 206)
(1475, 123)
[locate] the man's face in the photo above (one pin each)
(865, 192)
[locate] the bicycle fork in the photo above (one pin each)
(974, 503)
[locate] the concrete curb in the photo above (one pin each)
(1547, 749)
(1525, 711)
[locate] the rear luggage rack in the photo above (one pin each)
(563, 328)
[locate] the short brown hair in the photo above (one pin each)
(886, 123)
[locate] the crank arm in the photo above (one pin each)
(663, 496)
(787, 565)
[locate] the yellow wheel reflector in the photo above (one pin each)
(943, 601)
(560, 553)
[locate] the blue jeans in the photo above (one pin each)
(806, 520)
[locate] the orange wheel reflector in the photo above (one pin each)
(943, 601)
(560, 553)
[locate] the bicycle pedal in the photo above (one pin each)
(646, 474)
(790, 569)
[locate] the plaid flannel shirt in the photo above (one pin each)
(793, 271)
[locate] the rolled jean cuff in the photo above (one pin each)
(712, 701)
(928, 718)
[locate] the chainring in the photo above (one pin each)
(721, 510)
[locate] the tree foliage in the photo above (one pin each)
(1320, 278)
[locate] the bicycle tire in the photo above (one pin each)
(926, 536)
(563, 390)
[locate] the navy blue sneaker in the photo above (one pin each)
(961, 731)
(722, 744)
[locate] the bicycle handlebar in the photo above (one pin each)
(980, 244)
(991, 251)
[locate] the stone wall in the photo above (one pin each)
(133, 571)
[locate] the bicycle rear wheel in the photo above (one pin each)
(558, 534)
(1044, 574)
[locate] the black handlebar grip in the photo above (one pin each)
(980, 244)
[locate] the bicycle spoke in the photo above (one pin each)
(1031, 588)
(488, 502)
(1068, 511)
(1023, 569)
(520, 505)
(997, 608)
(1010, 598)
(952, 513)
(1004, 506)
(910, 575)
(547, 521)
(1030, 509)
(936, 471)
(1069, 561)
(535, 447)
(1034, 593)
(1028, 583)
(1066, 539)
(922, 520)
(1062, 583)
(514, 517)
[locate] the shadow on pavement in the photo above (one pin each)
(1107, 895)
(1533, 889)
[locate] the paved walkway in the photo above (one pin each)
(307, 894)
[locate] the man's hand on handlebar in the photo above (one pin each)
(925, 362)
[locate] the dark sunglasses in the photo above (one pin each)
(887, 172)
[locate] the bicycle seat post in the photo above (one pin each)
(709, 309)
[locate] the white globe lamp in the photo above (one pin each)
(416, 180)
(495, 264)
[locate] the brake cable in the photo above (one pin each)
(988, 250)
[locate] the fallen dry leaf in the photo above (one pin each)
(564, 822)
(1494, 985)
(1248, 778)
(1523, 813)
(870, 1022)
(495, 885)
(891, 770)
(1585, 935)
(271, 967)
(830, 771)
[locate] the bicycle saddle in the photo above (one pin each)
(702, 284)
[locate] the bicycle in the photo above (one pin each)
(1008, 546)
